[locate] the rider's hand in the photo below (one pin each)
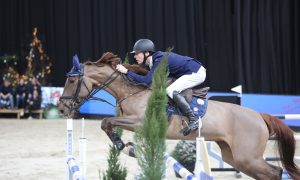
(121, 69)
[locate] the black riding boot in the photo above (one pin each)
(183, 105)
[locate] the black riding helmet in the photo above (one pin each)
(143, 45)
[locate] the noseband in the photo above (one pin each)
(75, 100)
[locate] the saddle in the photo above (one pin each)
(196, 97)
(188, 94)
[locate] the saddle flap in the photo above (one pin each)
(201, 93)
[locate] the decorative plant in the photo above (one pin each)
(8, 66)
(38, 63)
(150, 137)
(185, 153)
(115, 170)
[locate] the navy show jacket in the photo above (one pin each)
(178, 66)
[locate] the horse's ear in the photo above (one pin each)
(76, 63)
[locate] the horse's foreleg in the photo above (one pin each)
(129, 123)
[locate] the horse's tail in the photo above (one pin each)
(286, 143)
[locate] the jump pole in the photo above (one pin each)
(183, 172)
(82, 150)
(69, 147)
(288, 116)
(202, 165)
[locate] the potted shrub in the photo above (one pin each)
(185, 153)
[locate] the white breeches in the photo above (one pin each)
(187, 81)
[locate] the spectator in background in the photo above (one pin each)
(34, 86)
(21, 91)
(34, 102)
(6, 95)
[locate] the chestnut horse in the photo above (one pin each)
(241, 133)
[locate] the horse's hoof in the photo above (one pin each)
(129, 149)
(238, 175)
(120, 145)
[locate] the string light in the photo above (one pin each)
(38, 63)
(43, 60)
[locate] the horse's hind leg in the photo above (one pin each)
(248, 159)
(226, 153)
(259, 169)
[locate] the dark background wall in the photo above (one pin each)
(251, 42)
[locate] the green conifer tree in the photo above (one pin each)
(151, 136)
(126, 61)
(115, 171)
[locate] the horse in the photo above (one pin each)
(240, 132)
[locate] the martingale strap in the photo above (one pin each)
(110, 79)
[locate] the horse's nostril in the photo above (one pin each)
(61, 111)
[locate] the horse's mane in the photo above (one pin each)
(113, 60)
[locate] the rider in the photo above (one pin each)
(187, 71)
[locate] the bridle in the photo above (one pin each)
(75, 100)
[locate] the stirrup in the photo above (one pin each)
(191, 127)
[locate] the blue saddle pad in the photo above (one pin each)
(198, 105)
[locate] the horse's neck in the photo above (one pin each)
(120, 89)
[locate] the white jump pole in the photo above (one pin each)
(69, 146)
(82, 151)
(73, 170)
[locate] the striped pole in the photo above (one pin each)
(183, 172)
(202, 170)
(73, 170)
(69, 146)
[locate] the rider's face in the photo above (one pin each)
(139, 57)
